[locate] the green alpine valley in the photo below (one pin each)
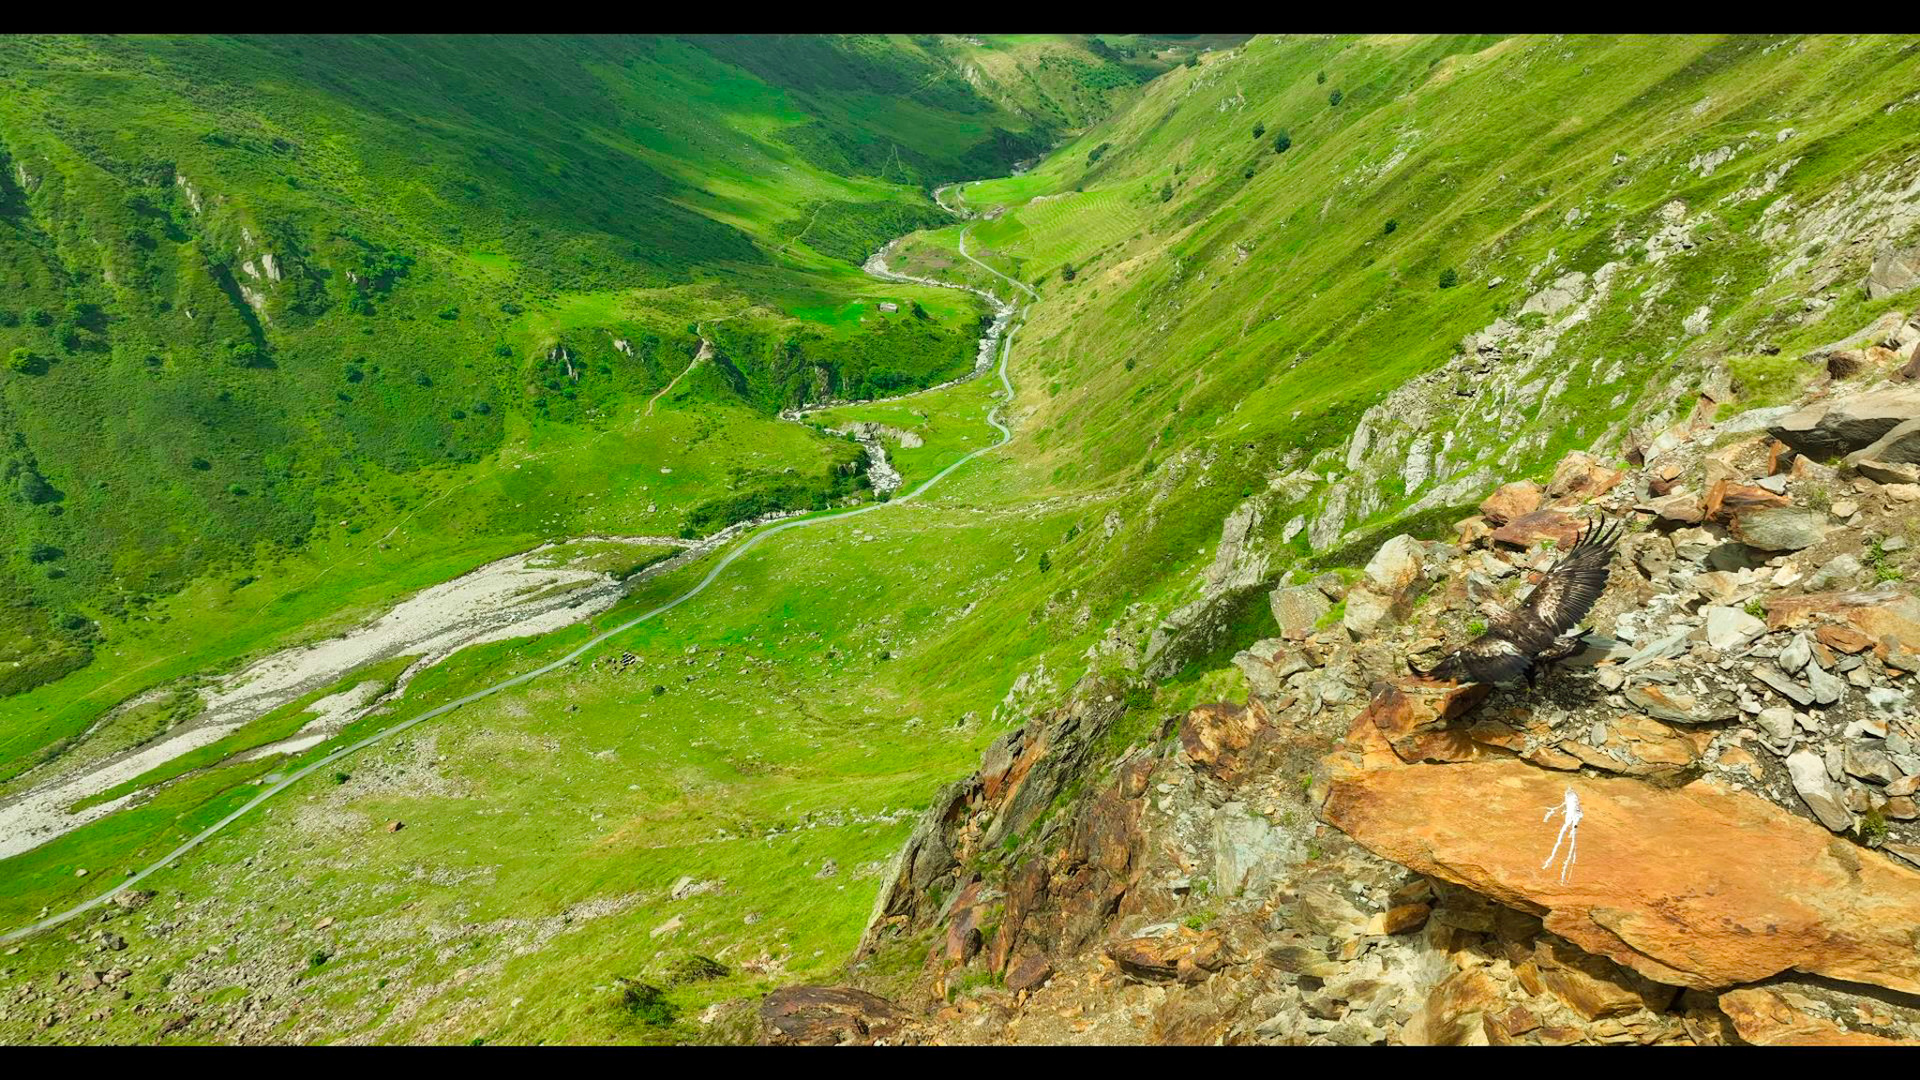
(942, 538)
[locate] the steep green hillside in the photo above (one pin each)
(1233, 297)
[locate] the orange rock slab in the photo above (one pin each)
(1697, 886)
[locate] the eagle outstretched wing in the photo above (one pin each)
(1488, 659)
(1575, 582)
(1522, 639)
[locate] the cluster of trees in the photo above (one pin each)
(71, 331)
(246, 354)
(777, 491)
(377, 269)
(22, 476)
(1110, 52)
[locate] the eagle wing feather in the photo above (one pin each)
(1575, 582)
(1490, 659)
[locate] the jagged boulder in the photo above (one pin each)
(1367, 611)
(826, 1016)
(1397, 569)
(1458, 1011)
(1780, 528)
(1593, 986)
(1180, 955)
(1562, 293)
(1676, 509)
(1529, 529)
(1845, 363)
(1887, 472)
(1841, 426)
(1727, 500)
(1899, 446)
(1268, 664)
(1219, 738)
(1472, 532)
(1297, 608)
(1581, 475)
(1019, 777)
(1416, 718)
(1894, 270)
(1885, 616)
(1510, 501)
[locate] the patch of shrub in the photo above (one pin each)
(645, 1002)
(694, 968)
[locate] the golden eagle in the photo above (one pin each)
(1520, 642)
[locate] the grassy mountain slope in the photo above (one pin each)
(1247, 296)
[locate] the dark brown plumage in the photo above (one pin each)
(1544, 629)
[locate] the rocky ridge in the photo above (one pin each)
(1354, 855)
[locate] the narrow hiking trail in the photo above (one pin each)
(956, 211)
(1004, 329)
(968, 255)
(705, 353)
